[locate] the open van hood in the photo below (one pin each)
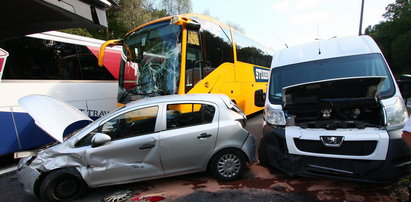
(334, 90)
(51, 115)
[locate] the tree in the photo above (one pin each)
(175, 7)
(133, 13)
(394, 36)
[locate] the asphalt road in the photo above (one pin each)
(259, 184)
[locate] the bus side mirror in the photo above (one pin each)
(259, 98)
(405, 88)
(109, 43)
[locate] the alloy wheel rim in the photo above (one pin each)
(229, 165)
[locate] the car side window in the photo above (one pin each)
(133, 123)
(130, 124)
(183, 115)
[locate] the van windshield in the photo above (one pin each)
(342, 67)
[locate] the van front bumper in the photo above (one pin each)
(395, 165)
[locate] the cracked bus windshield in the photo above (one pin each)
(150, 62)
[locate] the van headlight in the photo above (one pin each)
(396, 114)
(274, 116)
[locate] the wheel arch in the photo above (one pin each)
(69, 170)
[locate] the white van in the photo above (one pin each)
(333, 109)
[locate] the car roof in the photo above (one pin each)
(216, 98)
(323, 49)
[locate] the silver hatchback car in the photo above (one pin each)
(147, 139)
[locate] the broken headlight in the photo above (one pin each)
(396, 114)
(274, 116)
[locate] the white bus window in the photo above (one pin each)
(39, 59)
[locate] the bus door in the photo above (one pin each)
(194, 60)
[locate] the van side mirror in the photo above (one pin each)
(405, 87)
(259, 98)
(100, 139)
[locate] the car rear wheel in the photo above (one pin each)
(227, 165)
(60, 185)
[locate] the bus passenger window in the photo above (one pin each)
(40, 59)
(217, 46)
(252, 52)
(88, 65)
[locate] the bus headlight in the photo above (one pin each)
(274, 116)
(396, 114)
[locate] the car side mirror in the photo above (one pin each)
(405, 87)
(259, 98)
(100, 139)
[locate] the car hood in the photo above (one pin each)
(53, 116)
(334, 90)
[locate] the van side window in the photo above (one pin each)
(183, 115)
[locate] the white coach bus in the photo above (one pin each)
(57, 64)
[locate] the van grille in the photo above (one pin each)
(354, 148)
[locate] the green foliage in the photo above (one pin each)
(394, 36)
(175, 7)
(78, 31)
(133, 13)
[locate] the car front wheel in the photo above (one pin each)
(227, 165)
(61, 186)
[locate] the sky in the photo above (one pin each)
(292, 22)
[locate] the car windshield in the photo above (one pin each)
(342, 67)
(151, 60)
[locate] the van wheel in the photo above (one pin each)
(60, 185)
(227, 165)
(262, 156)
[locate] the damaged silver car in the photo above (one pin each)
(146, 139)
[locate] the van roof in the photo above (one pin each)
(323, 49)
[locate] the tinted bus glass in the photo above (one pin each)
(252, 52)
(39, 59)
(217, 45)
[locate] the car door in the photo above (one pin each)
(189, 138)
(133, 152)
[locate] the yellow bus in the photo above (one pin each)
(191, 53)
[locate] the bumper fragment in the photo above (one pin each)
(249, 148)
(27, 177)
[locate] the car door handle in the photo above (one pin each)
(147, 146)
(204, 135)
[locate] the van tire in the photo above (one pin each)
(262, 156)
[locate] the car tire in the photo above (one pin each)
(227, 165)
(262, 156)
(62, 186)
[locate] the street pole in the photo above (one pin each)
(362, 12)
